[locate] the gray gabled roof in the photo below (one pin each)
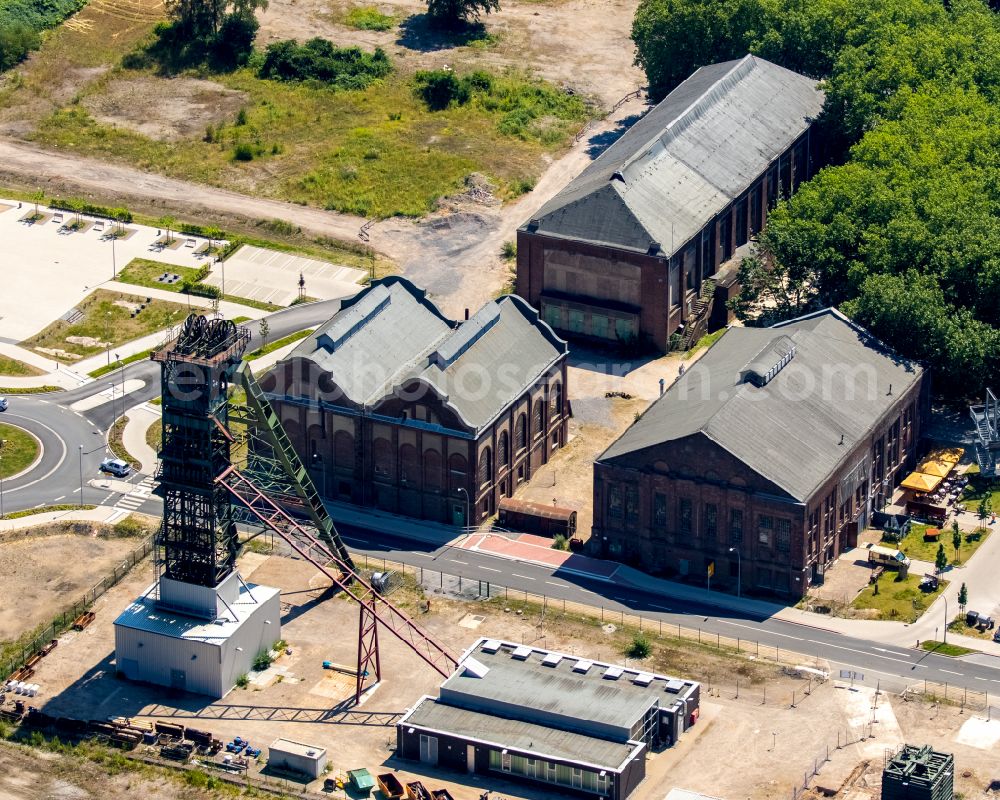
(795, 430)
(687, 159)
(390, 335)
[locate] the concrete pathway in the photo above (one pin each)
(113, 391)
(99, 514)
(134, 436)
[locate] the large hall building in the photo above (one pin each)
(763, 462)
(392, 405)
(640, 246)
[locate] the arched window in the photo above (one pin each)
(383, 458)
(409, 465)
(555, 400)
(485, 467)
(432, 471)
(503, 450)
(457, 469)
(520, 432)
(537, 419)
(343, 450)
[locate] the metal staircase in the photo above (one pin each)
(701, 309)
(274, 465)
(986, 418)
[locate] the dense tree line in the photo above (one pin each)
(22, 21)
(904, 234)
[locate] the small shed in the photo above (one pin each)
(297, 757)
(523, 515)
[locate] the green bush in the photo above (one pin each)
(16, 41)
(559, 542)
(243, 152)
(639, 647)
(320, 60)
(369, 18)
(129, 527)
(263, 660)
(440, 88)
(120, 214)
(508, 250)
(242, 681)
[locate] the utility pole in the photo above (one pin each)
(2, 443)
(81, 476)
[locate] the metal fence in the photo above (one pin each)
(66, 618)
(476, 589)
(845, 737)
(955, 695)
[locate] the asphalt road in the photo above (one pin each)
(74, 444)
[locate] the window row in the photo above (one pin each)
(542, 770)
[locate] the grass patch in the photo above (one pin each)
(943, 649)
(18, 452)
(916, 547)
(377, 151)
(12, 368)
(978, 488)
(141, 356)
(107, 318)
(29, 389)
(958, 625)
(270, 347)
(369, 18)
(154, 435)
(117, 446)
(144, 272)
(240, 320)
(260, 305)
(157, 401)
(30, 512)
(899, 600)
(704, 342)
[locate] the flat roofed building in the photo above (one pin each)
(765, 459)
(641, 244)
(306, 759)
(390, 404)
(547, 717)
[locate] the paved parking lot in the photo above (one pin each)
(48, 270)
(273, 277)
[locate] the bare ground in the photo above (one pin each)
(32, 592)
(164, 109)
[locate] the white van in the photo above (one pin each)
(886, 557)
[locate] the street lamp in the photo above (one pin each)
(468, 507)
(114, 410)
(739, 571)
(81, 476)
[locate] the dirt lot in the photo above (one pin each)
(31, 591)
(183, 106)
(298, 699)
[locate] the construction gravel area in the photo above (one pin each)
(782, 731)
(44, 570)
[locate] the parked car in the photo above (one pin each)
(996, 637)
(3, 403)
(116, 467)
(887, 557)
(929, 583)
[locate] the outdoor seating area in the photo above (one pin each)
(936, 487)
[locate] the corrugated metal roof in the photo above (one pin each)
(144, 614)
(518, 735)
(795, 430)
(687, 159)
(478, 366)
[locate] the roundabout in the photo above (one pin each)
(20, 450)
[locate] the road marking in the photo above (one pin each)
(457, 561)
(553, 583)
(415, 555)
(490, 569)
(979, 679)
(952, 672)
(661, 608)
(870, 654)
(59, 498)
(758, 630)
(525, 577)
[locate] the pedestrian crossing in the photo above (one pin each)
(139, 495)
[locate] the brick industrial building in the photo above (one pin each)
(557, 721)
(632, 248)
(392, 405)
(765, 459)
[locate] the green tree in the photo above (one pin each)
(956, 538)
(264, 330)
(941, 559)
(16, 41)
(37, 197)
(167, 223)
(456, 13)
(963, 597)
(984, 510)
